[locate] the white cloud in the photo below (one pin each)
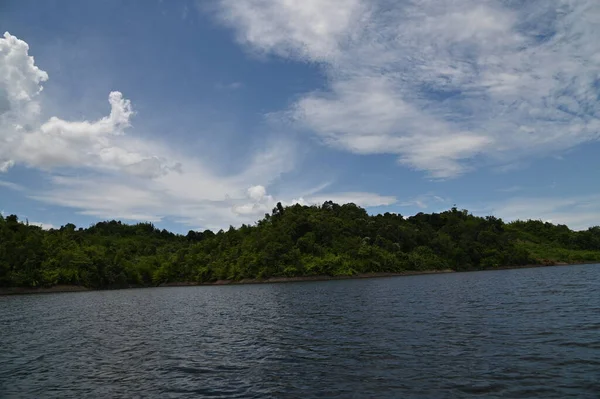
(95, 168)
(424, 201)
(44, 226)
(155, 200)
(260, 203)
(60, 143)
(6, 165)
(20, 84)
(362, 199)
(24, 138)
(577, 212)
(19, 77)
(309, 29)
(11, 185)
(197, 196)
(257, 193)
(439, 84)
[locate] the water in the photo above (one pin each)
(503, 334)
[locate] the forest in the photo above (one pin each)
(294, 241)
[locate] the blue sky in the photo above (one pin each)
(204, 114)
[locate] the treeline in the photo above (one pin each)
(294, 241)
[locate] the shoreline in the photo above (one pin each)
(7, 291)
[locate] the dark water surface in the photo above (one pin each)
(503, 334)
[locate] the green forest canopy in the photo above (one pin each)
(330, 239)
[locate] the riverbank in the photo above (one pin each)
(43, 290)
(273, 280)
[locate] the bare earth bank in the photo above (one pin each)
(46, 290)
(75, 288)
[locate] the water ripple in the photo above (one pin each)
(513, 333)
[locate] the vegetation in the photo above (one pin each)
(295, 241)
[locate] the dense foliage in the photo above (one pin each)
(299, 240)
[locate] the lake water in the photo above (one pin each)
(503, 334)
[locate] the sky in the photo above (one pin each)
(205, 114)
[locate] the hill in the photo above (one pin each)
(331, 239)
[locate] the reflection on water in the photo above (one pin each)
(512, 333)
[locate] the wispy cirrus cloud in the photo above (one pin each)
(444, 85)
(511, 189)
(232, 86)
(425, 201)
(11, 185)
(577, 212)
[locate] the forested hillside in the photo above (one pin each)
(299, 240)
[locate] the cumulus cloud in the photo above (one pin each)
(19, 77)
(26, 139)
(257, 193)
(440, 84)
(61, 143)
(259, 204)
(20, 84)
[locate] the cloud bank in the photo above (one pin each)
(101, 170)
(445, 86)
(577, 212)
